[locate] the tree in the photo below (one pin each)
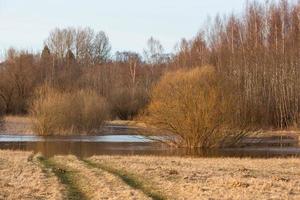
(101, 48)
(192, 53)
(70, 58)
(47, 65)
(84, 46)
(154, 52)
(88, 48)
(18, 76)
(59, 41)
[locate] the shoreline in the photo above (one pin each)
(21, 125)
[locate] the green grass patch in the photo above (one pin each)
(130, 179)
(66, 178)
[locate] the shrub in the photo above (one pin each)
(195, 105)
(2, 111)
(126, 102)
(55, 112)
(2, 107)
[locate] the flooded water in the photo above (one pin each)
(97, 139)
(84, 146)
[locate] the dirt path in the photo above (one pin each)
(130, 179)
(21, 177)
(94, 183)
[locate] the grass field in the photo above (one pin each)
(22, 177)
(27, 176)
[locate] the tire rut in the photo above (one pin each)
(96, 183)
(129, 179)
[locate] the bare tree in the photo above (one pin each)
(87, 46)
(84, 45)
(101, 48)
(59, 41)
(154, 52)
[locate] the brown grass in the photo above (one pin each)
(21, 177)
(16, 125)
(130, 123)
(96, 183)
(209, 178)
(56, 112)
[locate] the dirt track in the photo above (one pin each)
(26, 176)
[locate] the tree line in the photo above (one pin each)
(257, 52)
(81, 59)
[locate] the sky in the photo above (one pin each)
(25, 24)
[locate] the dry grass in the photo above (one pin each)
(16, 125)
(96, 183)
(130, 123)
(21, 177)
(207, 178)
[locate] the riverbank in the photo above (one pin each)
(16, 125)
(21, 125)
(146, 177)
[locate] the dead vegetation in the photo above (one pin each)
(129, 178)
(196, 106)
(21, 177)
(96, 183)
(24, 176)
(55, 112)
(209, 178)
(2, 109)
(16, 125)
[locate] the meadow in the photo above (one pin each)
(24, 175)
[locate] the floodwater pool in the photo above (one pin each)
(84, 146)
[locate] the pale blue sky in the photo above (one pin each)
(128, 23)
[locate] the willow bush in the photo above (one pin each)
(196, 105)
(63, 113)
(127, 102)
(2, 111)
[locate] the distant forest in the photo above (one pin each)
(257, 51)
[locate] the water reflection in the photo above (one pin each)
(84, 149)
(84, 146)
(103, 138)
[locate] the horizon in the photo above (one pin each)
(25, 25)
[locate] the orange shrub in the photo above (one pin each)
(195, 105)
